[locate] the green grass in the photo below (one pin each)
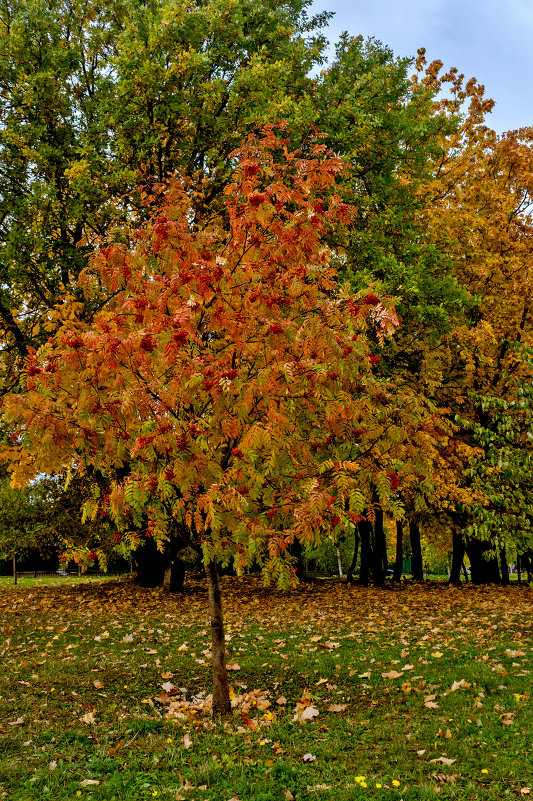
(75, 652)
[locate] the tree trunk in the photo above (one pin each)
(365, 529)
(351, 570)
(174, 576)
(504, 567)
(458, 554)
(221, 700)
(339, 563)
(398, 564)
(14, 570)
(416, 552)
(483, 571)
(296, 550)
(380, 550)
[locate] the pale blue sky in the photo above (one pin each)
(489, 39)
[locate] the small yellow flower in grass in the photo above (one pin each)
(395, 783)
(154, 792)
(378, 785)
(360, 779)
(78, 793)
(484, 770)
(169, 739)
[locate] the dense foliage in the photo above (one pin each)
(123, 125)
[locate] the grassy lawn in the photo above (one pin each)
(340, 693)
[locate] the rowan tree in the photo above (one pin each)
(231, 374)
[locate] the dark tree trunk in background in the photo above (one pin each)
(458, 554)
(174, 575)
(416, 552)
(14, 570)
(379, 566)
(350, 577)
(398, 564)
(149, 564)
(519, 568)
(221, 699)
(504, 567)
(365, 530)
(482, 570)
(296, 550)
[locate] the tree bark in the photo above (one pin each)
(398, 564)
(504, 567)
(416, 552)
(14, 570)
(296, 550)
(339, 562)
(482, 570)
(221, 700)
(458, 553)
(380, 550)
(351, 570)
(365, 529)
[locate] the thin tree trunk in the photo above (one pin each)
(416, 552)
(364, 531)
(14, 570)
(380, 549)
(504, 567)
(398, 564)
(351, 570)
(221, 700)
(458, 554)
(339, 563)
(518, 569)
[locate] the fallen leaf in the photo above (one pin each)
(127, 638)
(88, 717)
(89, 783)
(443, 759)
(458, 684)
(337, 707)
(98, 684)
(187, 742)
(16, 722)
(514, 654)
(281, 701)
(309, 757)
(167, 686)
(309, 713)
(233, 666)
(393, 674)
